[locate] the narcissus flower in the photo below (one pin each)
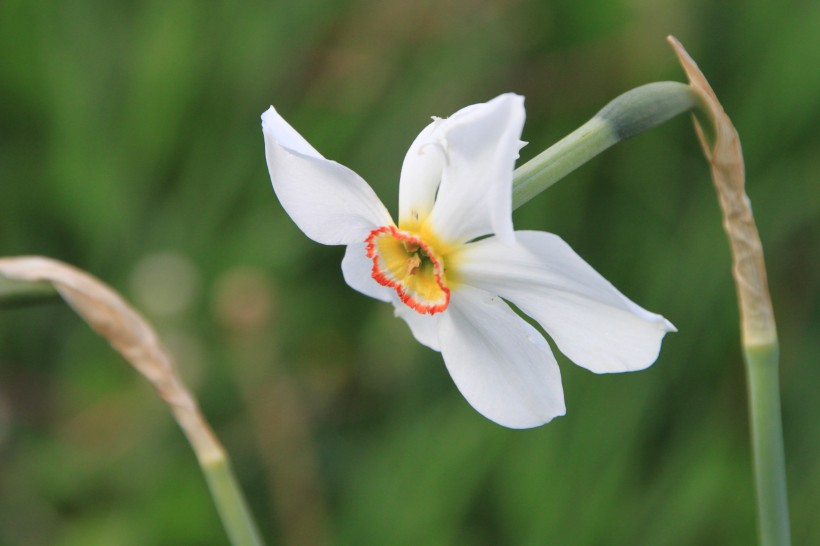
(453, 261)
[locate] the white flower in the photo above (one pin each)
(453, 260)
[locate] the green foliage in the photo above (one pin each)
(131, 129)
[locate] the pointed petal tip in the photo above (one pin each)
(512, 102)
(513, 98)
(661, 322)
(330, 203)
(277, 131)
(590, 321)
(271, 120)
(271, 111)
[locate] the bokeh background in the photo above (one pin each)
(130, 146)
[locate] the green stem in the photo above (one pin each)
(629, 114)
(767, 443)
(560, 159)
(230, 503)
(721, 146)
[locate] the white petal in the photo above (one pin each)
(357, 271)
(475, 195)
(357, 268)
(424, 327)
(421, 173)
(330, 203)
(502, 365)
(592, 323)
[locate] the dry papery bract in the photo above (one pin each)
(721, 145)
(128, 332)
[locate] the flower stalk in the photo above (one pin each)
(762, 375)
(721, 146)
(625, 116)
(131, 335)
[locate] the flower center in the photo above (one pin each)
(402, 261)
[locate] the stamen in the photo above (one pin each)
(410, 246)
(413, 264)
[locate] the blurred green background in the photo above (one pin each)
(130, 146)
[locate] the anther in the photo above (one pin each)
(413, 264)
(410, 246)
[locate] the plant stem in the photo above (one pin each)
(560, 159)
(767, 443)
(627, 115)
(230, 503)
(236, 516)
(721, 146)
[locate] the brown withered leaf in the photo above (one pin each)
(128, 332)
(721, 146)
